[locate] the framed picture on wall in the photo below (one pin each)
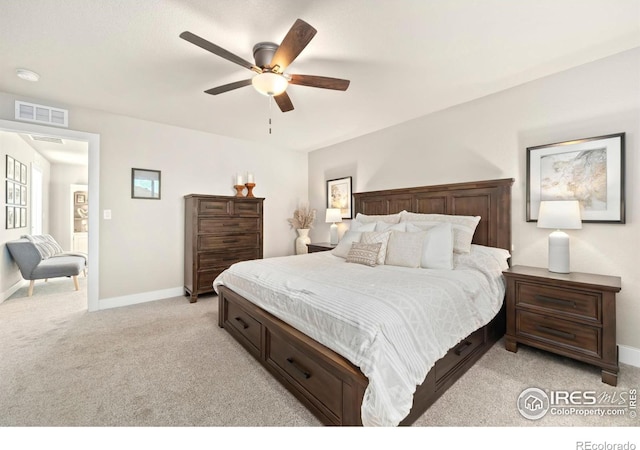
(23, 217)
(10, 218)
(23, 174)
(10, 165)
(145, 184)
(16, 170)
(339, 196)
(23, 195)
(589, 170)
(10, 191)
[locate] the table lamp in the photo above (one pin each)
(333, 216)
(559, 214)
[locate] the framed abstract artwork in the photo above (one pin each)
(145, 184)
(339, 196)
(589, 170)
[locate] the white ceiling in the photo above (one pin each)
(405, 58)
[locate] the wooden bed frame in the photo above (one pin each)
(325, 382)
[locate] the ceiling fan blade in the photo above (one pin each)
(320, 82)
(284, 102)
(216, 50)
(297, 38)
(228, 87)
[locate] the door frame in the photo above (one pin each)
(93, 141)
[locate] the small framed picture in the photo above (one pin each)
(23, 195)
(23, 217)
(10, 191)
(80, 198)
(16, 170)
(590, 170)
(23, 174)
(339, 196)
(10, 218)
(145, 184)
(16, 193)
(10, 167)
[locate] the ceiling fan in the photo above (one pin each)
(271, 60)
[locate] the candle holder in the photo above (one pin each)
(250, 187)
(239, 189)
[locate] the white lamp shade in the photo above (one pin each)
(560, 214)
(333, 215)
(269, 83)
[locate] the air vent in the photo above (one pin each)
(53, 140)
(42, 114)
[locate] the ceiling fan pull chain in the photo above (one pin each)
(270, 101)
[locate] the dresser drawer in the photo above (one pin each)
(205, 279)
(247, 208)
(305, 372)
(230, 241)
(223, 259)
(217, 207)
(245, 325)
(560, 333)
(459, 353)
(565, 302)
(224, 225)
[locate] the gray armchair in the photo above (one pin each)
(40, 258)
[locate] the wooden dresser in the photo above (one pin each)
(571, 314)
(219, 231)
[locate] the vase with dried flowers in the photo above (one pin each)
(302, 222)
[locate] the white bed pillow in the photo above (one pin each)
(437, 247)
(463, 226)
(362, 226)
(391, 218)
(343, 247)
(405, 248)
(373, 237)
(386, 226)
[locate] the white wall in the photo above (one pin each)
(487, 139)
(141, 247)
(13, 145)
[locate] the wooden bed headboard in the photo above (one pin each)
(491, 200)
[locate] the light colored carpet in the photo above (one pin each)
(167, 364)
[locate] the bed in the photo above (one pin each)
(260, 306)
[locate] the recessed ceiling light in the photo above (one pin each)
(27, 75)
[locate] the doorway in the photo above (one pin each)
(93, 144)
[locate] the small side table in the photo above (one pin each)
(320, 247)
(571, 314)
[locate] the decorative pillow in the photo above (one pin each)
(405, 249)
(384, 226)
(343, 247)
(437, 249)
(373, 237)
(366, 254)
(391, 218)
(362, 226)
(45, 244)
(463, 227)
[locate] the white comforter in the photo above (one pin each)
(393, 323)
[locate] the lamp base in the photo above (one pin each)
(333, 230)
(559, 252)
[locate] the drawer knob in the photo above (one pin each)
(244, 324)
(554, 332)
(305, 373)
(557, 301)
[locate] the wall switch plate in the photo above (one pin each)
(106, 214)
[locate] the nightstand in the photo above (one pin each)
(571, 314)
(320, 247)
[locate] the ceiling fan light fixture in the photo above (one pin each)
(269, 83)
(27, 74)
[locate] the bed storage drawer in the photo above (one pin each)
(322, 386)
(244, 325)
(459, 353)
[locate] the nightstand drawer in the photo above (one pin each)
(570, 303)
(559, 333)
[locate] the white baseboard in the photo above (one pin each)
(12, 290)
(629, 355)
(126, 300)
